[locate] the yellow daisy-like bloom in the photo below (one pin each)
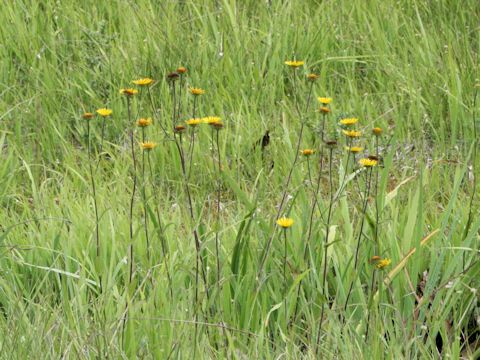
(194, 122)
(148, 145)
(368, 162)
(377, 131)
(324, 110)
(144, 122)
(128, 92)
(354, 149)
(294, 64)
(285, 222)
(182, 70)
(143, 82)
(349, 121)
(104, 112)
(383, 263)
(307, 152)
(88, 115)
(312, 77)
(352, 133)
(196, 91)
(324, 100)
(211, 120)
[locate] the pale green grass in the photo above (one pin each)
(408, 66)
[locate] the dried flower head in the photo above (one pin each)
(217, 125)
(352, 133)
(348, 121)
(373, 157)
(374, 259)
(182, 70)
(377, 131)
(354, 149)
(366, 162)
(144, 122)
(331, 143)
(172, 76)
(324, 110)
(294, 64)
(179, 129)
(285, 222)
(312, 77)
(143, 82)
(148, 145)
(307, 152)
(196, 91)
(87, 115)
(383, 263)
(325, 100)
(193, 122)
(104, 112)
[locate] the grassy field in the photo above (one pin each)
(176, 254)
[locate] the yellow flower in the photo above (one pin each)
(182, 70)
(349, 121)
(324, 100)
(196, 91)
(312, 77)
(104, 112)
(285, 222)
(144, 122)
(148, 145)
(294, 64)
(354, 149)
(324, 110)
(307, 152)
(352, 133)
(210, 120)
(128, 92)
(87, 115)
(383, 263)
(143, 82)
(193, 122)
(377, 131)
(368, 162)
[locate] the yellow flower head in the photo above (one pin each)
(87, 115)
(182, 70)
(377, 131)
(104, 112)
(143, 82)
(312, 77)
(352, 133)
(285, 222)
(383, 263)
(366, 162)
(144, 122)
(307, 152)
(179, 129)
(325, 100)
(294, 64)
(148, 145)
(128, 92)
(324, 110)
(354, 149)
(210, 120)
(193, 122)
(196, 91)
(349, 121)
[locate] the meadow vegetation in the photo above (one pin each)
(239, 179)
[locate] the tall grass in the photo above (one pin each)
(409, 67)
